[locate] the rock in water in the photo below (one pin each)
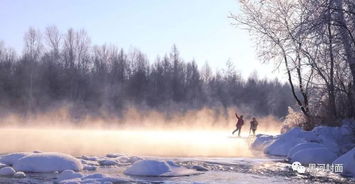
(20, 175)
(68, 174)
(7, 171)
(47, 162)
(158, 168)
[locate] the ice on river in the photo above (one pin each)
(167, 170)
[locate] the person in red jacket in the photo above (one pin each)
(239, 124)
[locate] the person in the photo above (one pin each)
(253, 125)
(239, 124)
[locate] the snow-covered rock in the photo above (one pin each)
(113, 155)
(199, 168)
(282, 145)
(337, 139)
(11, 158)
(134, 159)
(107, 162)
(7, 171)
(102, 178)
(47, 162)
(68, 174)
(72, 181)
(89, 168)
(2, 165)
(348, 162)
(125, 159)
(20, 175)
(90, 158)
(303, 146)
(158, 168)
(320, 155)
(262, 141)
(94, 176)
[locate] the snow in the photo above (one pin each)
(11, 158)
(282, 145)
(2, 165)
(47, 162)
(89, 168)
(132, 159)
(303, 146)
(158, 168)
(7, 171)
(262, 141)
(68, 174)
(113, 155)
(89, 158)
(107, 162)
(336, 139)
(20, 175)
(314, 155)
(93, 179)
(199, 168)
(348, 161)
(71, 181)
(93, 176)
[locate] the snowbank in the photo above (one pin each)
(282, 145)
(336, 139)
(303, 146)
(158, 168)
(322, 145)
(348, 161)
(321, 155)
(47, 162)
(262, 141)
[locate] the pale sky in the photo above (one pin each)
(200, 29)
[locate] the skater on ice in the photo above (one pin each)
(253, 125)
(239, 124)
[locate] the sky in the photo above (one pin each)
(200, 29)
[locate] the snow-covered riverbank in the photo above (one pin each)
(331, 146)
(323, 148)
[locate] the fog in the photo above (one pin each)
(195, 134)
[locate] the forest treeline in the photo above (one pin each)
(57, 69)
(314, 41)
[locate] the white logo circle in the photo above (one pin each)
(296, 166)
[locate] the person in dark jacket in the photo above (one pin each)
(253, 125)
(239, 124)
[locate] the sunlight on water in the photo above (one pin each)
(133, 142)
